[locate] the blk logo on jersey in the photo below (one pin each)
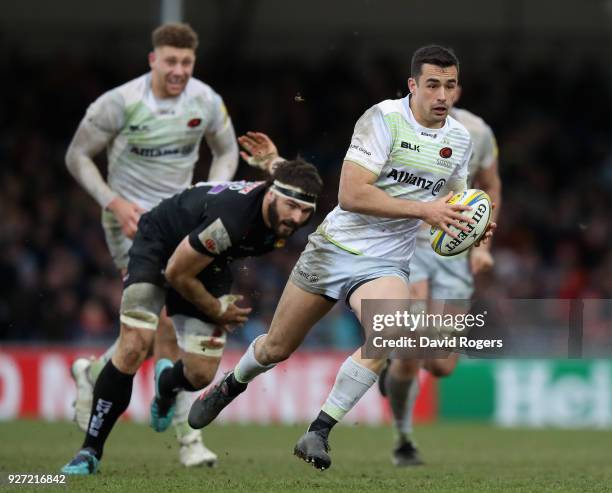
(194, 122)
(446, 152)
(412, 147)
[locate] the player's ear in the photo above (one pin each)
(457, 94)
(412, 84)
(269, 197)
(151, 58)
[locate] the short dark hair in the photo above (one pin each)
(301, 174)
(434, 55)
(175, 34)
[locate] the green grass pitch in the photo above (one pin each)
(460, 457)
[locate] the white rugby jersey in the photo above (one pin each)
(156, 141)
(411, 162)
(484, 151)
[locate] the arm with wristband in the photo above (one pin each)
(182, 272)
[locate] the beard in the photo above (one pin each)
(284, 228)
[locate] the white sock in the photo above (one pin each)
(353, 380)
(402, 398)
(248, 367)
(179, 421)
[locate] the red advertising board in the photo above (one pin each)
(36, 383)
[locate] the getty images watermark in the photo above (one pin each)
(429, 330)
(514, 328)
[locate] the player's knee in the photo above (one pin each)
(273, 352)
(134, 347)
(199, 375)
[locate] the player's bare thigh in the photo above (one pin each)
(383, 288)
(296, 313)
(164, 345)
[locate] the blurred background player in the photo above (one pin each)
(181, 256)
(436, 277)
(152, 127)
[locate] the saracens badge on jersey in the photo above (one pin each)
(446, 152)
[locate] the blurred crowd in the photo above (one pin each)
(553, 125)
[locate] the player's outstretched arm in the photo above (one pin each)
(357, 193)
(181, 272)
(259, 151)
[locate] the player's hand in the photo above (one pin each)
(127, 213)
(481, 260)
(259, 150)
(441, 214)
(491, 227)
(231, 315)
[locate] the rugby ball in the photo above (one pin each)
(480, 203)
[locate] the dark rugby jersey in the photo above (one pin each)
(222, 220)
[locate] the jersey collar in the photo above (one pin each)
(424, 132)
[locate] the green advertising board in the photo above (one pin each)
(535, 393)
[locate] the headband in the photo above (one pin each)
(294, 193)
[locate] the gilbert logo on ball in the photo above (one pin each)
(480, 203)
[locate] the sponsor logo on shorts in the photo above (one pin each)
(312, 278)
